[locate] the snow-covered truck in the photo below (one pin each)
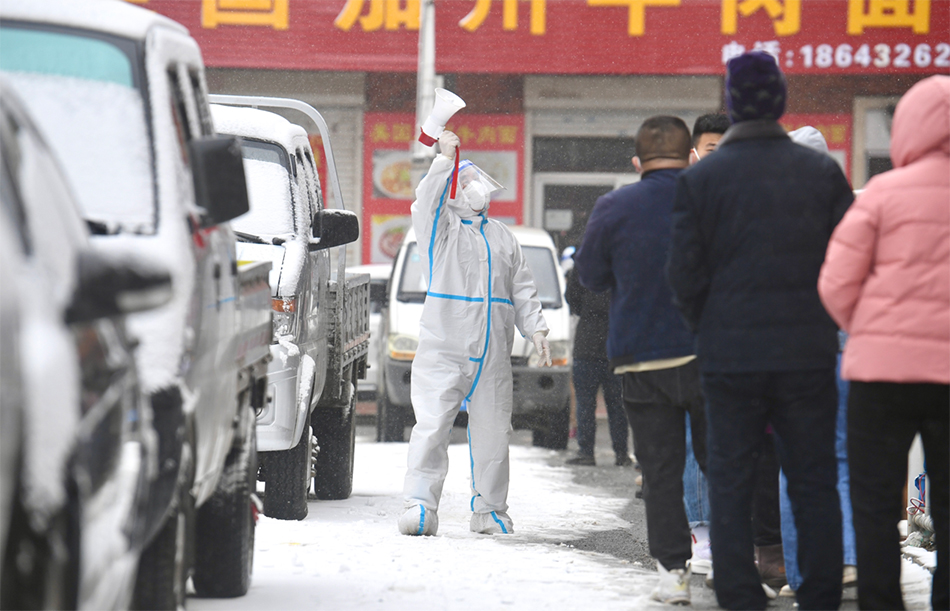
(120, 94)
(321, 326)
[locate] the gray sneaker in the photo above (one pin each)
(673, 587)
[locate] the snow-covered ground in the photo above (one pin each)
(349, 554)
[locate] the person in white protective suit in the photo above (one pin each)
(479, 286)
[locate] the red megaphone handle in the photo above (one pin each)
(455, 176)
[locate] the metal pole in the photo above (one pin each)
(422, 155)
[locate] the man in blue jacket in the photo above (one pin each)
(751, 224)
(624, 249)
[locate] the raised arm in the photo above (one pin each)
(433, 190)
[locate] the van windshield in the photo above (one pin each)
(84, 94)
(412, 285)
(269, 189)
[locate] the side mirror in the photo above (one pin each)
(334, 228)
(106, 289)
(218, 170)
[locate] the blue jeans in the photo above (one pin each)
(589, 375)
(695, 490)
(789, 532)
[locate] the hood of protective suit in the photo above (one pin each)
(922, 121)
(810, 137)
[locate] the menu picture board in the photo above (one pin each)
(495, 143)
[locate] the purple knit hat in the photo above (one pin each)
(755, 87)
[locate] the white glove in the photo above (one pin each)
(544, 349)
(448, 142)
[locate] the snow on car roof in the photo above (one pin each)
(110, 16)
(259, 125)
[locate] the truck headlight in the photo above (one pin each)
(560, 354)
(402, 347)
(285, 317)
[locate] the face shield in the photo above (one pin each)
(476, 187)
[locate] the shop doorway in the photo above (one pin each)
(564, 201)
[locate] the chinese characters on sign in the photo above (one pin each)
(571, 36)
(273, 13)
(494, 143)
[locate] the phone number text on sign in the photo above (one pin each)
(879, 55)
(851, 57)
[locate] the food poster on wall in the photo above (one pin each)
(836, 128)
(495, 143)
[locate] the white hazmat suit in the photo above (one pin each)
(479, 288)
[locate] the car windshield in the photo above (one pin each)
(84, 96)
(270, 190)
(412, 286)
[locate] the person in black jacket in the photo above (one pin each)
(751, 224)
(592, 371)
(625, 249)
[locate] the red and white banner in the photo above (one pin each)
(571, 36)
(495, 143)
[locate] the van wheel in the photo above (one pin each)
(335, 430)
(224, 537)
(390, 419)
(554, 430)
(288, 480)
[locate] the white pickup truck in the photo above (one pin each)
(321, 332)
(120, 94)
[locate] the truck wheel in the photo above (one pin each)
(390, 420)
(554, 430)
(335, 429)
(163, 565)
(288, 480)
(224, 537)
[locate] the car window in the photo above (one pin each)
(269, 189)
(83, 97)
(540, 260)
(544, 270)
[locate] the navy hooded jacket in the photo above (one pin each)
(625, 249)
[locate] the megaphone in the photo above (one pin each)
(446, 105)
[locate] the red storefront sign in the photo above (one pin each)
(835, 128)
(571, 36)
(495, 143)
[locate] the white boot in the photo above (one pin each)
(495, 522)
(419, 521)
(673, 587)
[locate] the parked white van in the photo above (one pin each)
(542, 396)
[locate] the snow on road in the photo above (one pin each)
(349, 554)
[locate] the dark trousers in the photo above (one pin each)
(801, 406)
(589, 375)
(657, 403)
(766, 512)
(883, 419)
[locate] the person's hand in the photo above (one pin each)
(448, 142)
(544, 349)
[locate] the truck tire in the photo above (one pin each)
(224, 534)
(288, 480)
(163, 565)
(335, 429)
(554, 430)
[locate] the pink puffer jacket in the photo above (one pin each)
(886, 276)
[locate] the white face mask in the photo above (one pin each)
(475, 196)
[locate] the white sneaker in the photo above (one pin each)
(673, 587)
(494, 522)
(701, 562)
(419, 521)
